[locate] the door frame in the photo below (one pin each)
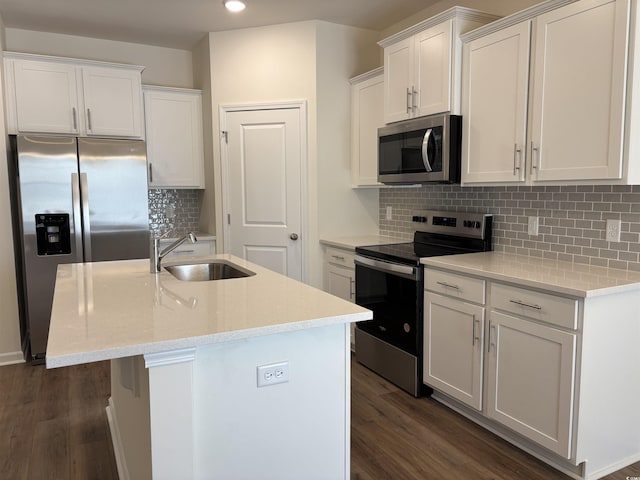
(301, 106)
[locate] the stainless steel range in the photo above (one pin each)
(390, 282)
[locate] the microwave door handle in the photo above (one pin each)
(425, 150)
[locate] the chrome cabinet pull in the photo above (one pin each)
(414, 104)
(448, 285)
(151, 173)
(352, 290)
(408, 100)
(473, 330)
(337, 257)
(75, 119)
(89, 119)
(528, 305)
(492, 331)
(536, 150)
(516, 164)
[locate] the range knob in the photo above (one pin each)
(466, 223)
(477, 224)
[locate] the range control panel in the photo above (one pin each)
(452, 223)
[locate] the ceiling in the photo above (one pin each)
(183, 23)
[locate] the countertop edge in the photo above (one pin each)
(441, 262)
(199, 341)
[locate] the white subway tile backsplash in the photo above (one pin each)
(572, 218)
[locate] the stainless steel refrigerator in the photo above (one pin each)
(73, 200)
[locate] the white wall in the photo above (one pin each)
(10, 350)
(342, 52)
(163, 66)
(310, 61)
(262, 65)
(202, 81)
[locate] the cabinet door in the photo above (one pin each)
(340, 281)
(531, 380)
(174, 138)
(398, 81)
(579, 91)
(453, 340)
(46, 97)
(494, 106)
(367, 115)
(112, 102)
(433, 63)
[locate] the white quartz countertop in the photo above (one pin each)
(560, 277)
(107, 310)
(351, 242)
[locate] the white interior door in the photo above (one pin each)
(264, 153)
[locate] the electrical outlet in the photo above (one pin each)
(389, 212)
(534, 222)
(273, 374)
(613, 230)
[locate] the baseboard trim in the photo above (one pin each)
(11, 358)
(118, 450)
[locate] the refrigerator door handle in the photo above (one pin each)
(86, 222)
(77, 213)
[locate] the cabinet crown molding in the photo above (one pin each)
(521, 16)
(462, 13)
(68, 60)
(161, 88)
(366, 75)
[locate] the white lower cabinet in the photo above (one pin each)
(530, 380)
(528, 344)
(453, 348)
(340, 277)
(340, 273)
(202, 248)
(548, 371)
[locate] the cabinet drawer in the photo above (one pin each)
(337, 256)
(552, 309)
(455, 285)
(201, 248)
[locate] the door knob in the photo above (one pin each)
(293, 236)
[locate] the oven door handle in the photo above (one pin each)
(395, 269)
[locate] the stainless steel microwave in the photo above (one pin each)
(420, 150)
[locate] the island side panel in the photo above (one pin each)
(299, 429)
(128, 414)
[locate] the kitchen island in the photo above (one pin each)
(185, 401)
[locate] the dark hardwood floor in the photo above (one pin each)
(396, 436)
(53, 425)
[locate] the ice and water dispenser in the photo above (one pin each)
(53, 234)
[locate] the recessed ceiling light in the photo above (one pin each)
(234, 5)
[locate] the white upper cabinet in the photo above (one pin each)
(68, 96)
(543, 99)
(422, 65)
(578, 95)
(40, 111)
(367, 93)
(494, 105)
(112, 101)
(175, 155)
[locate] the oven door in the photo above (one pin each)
(394, 293)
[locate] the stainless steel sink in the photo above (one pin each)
(209, 270)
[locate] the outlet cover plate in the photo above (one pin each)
(273, 374)
(613, 230)
(534, 223)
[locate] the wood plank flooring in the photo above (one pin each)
(53, 426)
(53, 423)
(396, 436)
